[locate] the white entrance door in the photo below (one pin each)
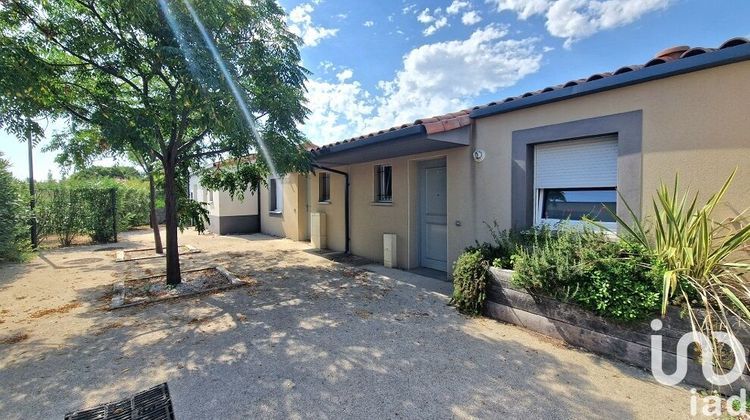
(433, 212)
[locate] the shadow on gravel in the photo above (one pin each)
(314, 343)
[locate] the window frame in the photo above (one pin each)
(324, 188)
(275, 196)
(380, 184)
(628, 126)
(539, 207)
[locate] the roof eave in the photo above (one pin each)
(390, 135)
(647, 74)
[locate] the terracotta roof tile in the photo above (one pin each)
(454, 120)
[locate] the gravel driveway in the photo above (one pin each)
(309, 339)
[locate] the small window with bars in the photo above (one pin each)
(324, 187)
(383, 183)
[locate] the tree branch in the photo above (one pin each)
(206, 154)
(192, 141)
(65, 48)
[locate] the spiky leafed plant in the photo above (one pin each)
(706, 269)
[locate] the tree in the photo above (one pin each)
(79, 147)
(13, 214)
(149, 76)
(115, 172)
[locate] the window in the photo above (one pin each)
(275, 195)
(575, 204)
(383, 183)
(576, 179)
(208, 196)
(324, 187)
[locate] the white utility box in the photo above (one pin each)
(390, 256)
(318, 231)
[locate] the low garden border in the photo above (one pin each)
(578, 327)
(121, 256)
(119, 298)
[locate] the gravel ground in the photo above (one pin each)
(309, 339)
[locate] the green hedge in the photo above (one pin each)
(14, 232)
(71, 208)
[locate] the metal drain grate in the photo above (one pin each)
(152, 404)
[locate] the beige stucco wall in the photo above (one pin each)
(369, 220)
(695, 124)
(291, 222)
(334, 209)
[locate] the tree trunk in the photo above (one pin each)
(152, 211)
(170, 201)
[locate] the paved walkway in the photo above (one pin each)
(311, 339)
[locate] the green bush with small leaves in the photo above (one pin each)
(470, 282)
(609, 277)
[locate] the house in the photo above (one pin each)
(227, 215)
(560, 152)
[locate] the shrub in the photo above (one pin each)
(551, 263)
(702, 257)
(620, 282)
(470, 282)
(71, 208)
(14, 233)
(611, 278)
(65, 214)
(132, 204)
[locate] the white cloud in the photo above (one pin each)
(301, 24)
(578, 19)
(327, 66)
(345, 75)
(411, 8)
(471, 18)
(439, 23)
(457, 6)
(338, 110)
(425, 17)
(524, 8)
(434, 79)
(369, 23)
(435, 20)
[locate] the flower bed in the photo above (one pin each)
(149, 253)
(155, 288)
(630, 343)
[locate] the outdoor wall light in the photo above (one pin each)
(479, 155)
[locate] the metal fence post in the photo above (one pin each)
(113, 202)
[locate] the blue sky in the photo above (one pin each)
(380, 63)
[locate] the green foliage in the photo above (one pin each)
(14, 230)
(94, 173)
(132, 204)
(234, 178)
(142, 77)
(65, 211)
(470, 282)
(506, 243)
(611, 278)
(705, 268)
(71, 208)
(193, 213)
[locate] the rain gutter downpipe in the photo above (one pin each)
(346, 201)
